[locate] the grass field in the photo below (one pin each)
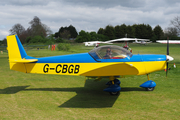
(43, 97)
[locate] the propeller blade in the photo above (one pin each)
(167, 45)
(167, 54)
(166, 68)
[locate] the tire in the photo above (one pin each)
(150, 89)
(114, 93)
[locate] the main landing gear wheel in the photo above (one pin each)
(113, 87)
(114, 93)
(150, 89)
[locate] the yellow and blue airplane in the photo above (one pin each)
(105, 61)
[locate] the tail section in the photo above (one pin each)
(15, 48)
(17, 54)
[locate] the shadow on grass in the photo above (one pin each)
(127, 89)
(89, 96)
(13, 89)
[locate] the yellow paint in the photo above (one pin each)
(148, 76)
(13, 49)
(111, 78)
(18, 67)
(91, 69)
(153, 66)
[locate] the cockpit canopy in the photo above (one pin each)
(110, 52)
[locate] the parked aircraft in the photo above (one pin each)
(170, 41)
(126, 40)
(143, 42)
(139, 41)
(94, 43)
(105, 61)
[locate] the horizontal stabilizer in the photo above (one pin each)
(23, 60)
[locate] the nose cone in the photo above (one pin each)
(169, 58)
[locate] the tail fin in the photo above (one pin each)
(15, 48)
(17, 54)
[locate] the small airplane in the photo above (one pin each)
(104, 61)
(139, 41)
(126, 40)
(170, 41)
(94, 43)
(143, 42)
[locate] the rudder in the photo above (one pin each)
(17, 54)
(15, 48)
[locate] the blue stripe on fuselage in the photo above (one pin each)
(154, 57)
(73, 58)
(86, 58)
(137, 58)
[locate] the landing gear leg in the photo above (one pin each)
(149, 85)
(114, 86)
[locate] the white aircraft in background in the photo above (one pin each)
(136, 40)
(170, 41)
(94, 43)
(143, 42)
(128, 39)
(139, 41)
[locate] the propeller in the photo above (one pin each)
(167, 56)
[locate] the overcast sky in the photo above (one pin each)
(88, 15)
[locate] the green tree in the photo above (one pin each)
(64, 46)
(94, 36)
(83, 37)
(28, 39)
(37, 39)
(4, 42)
(56, 35)
(20, 31)
(17, 29)
(149, 33)
(65, 34)
(130, 31)
(71, 29)
(158, 32)
(100, 31)
(170, 32)
(109, 32)
(143, 31)
(59, 40)
(120, 31)
(38, 29)
(97, 37)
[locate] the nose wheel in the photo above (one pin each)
(148, 85)
(150, 89)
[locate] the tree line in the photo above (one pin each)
(39, 32)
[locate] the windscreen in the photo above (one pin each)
(110, 52)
